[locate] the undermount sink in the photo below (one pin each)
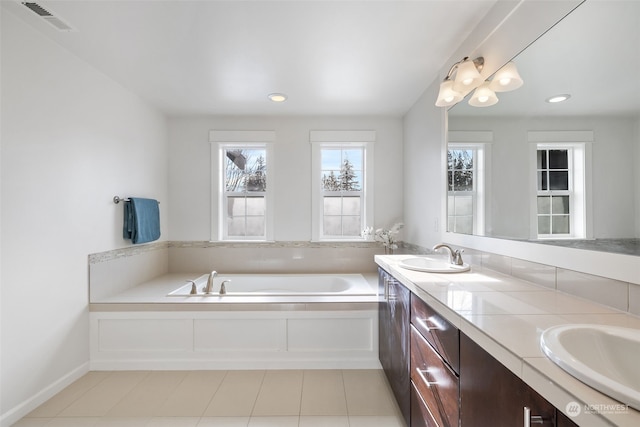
(603, 357)
(433, 265)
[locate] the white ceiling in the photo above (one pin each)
(331, 57)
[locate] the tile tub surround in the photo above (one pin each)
(309, 398)
(506, 316)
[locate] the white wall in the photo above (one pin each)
(612, 161)
(71, 140)
(423, 178)
(190, 183)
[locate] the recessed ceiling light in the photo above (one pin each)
(558, 98)
(277, 97)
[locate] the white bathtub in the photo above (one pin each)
(265, 321)
(247, 285)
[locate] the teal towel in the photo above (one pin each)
(141, 220)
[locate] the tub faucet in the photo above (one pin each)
(455, 256)
(209, 288)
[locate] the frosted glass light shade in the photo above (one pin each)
(483, 96)
(447, 96)
(506, 78)
(467, 77)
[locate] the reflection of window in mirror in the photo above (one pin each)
(465, 188)
(560, 195)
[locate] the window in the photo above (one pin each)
(461, 190)
(244, 193)
(554, 192)
(560, 204)
(342, 195)
(342, 190)
(242, 184)
(465, 188)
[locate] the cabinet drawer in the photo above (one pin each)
(442, 335)
(420, 415)
(436, 383)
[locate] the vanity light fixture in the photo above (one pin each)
(277, 97)
(483, 96)
(506, 79)
(467, 77)
(558, 98)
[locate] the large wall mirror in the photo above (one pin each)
(564, 173)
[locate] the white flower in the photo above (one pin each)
(385, 235)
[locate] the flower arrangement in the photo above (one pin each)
(387, 236)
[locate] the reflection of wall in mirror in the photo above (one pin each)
(616, 186)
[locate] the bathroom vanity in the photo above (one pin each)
(463, 349)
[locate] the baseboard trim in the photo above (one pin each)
(14, 414)
(197, 365)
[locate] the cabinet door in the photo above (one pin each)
(491, 395)
(394, 311)
(564, 421)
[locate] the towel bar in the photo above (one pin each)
(117, 199)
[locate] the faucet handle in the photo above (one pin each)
(223, 288)
(194, 288)
(457, 256)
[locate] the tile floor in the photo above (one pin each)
(286, 398)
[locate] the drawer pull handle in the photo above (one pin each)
(430, 324)
(423, 374)
(531, 419)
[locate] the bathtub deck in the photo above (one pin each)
(153, 295)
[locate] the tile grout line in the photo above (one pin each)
(264, 374)
(204, 411)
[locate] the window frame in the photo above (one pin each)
(226, 195)
(336, 140)
(220, 141)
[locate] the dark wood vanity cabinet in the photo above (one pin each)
(442, 378)
(491, 395)
(563, 421)
(393, 331)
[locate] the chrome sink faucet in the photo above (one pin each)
(455, 256)
(209, 288)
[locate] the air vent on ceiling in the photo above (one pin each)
(48, 16)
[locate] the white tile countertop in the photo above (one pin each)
(506, 316)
